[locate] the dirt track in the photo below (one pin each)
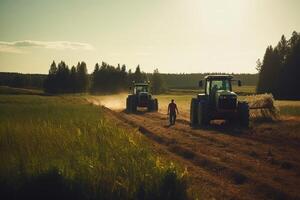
(225, 162)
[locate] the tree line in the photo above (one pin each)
(61, 79)
(160, 81)
(104, 79)
(190, 81)
(19, 80)
(107, 78)
(279, 71)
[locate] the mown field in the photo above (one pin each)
(63, 148)
(223, 160)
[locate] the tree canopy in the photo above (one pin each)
(63, 80)
(280, 69)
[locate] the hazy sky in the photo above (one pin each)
(171, 35)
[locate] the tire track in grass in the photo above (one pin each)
(278, 173)
(202, 183)
(233, 177)
(241, 142)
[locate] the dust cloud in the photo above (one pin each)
(114, 102)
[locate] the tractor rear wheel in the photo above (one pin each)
(203, 115)
(150, 105)
(193, 112)
(128, 108)
(243, 114)
(133, 104)
(155, 105)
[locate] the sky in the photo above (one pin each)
(175, 36)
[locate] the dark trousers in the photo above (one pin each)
(172, 118)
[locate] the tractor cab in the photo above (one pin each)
(140, 88)
(218, 92)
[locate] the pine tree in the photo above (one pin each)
(83, 81)
(258, 65)
(53, 68)
(139, 77)
(73, 80)
(157, 82)
(279, 72)
(50, 84)
(292, 68)
(62, 78)
(265, 71)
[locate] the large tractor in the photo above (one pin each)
(141, 97)
(218, 102)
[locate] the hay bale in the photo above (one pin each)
(262, 107)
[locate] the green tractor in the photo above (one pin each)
(218, 102)
(141, 97)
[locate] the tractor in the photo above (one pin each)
(218, 102)
(141, 97)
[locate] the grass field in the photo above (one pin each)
(63, 148)
(289, 107)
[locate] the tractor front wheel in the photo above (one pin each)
(131, 104)
(193, 112)
(128, 107)
(243, 114)
(203, 115)
(134, 104)
(155, 105)
(150, 106)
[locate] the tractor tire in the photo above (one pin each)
(203, 114)
(129, 103)
(128, 107)
(193, 112)
(150, 105)
(243, 114)
(133, 104)
(155, 105)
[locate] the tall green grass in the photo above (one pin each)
(64, 148)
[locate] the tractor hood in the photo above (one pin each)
(226, 99)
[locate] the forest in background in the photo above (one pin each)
(167, 81)
(279, 70)
(190, 81)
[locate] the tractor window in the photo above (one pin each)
(208, 87)
(220, 85)
(140, 88)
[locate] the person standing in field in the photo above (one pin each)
(172, 109)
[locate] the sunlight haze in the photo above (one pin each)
(175, 36)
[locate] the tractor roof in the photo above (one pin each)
(211, 77)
